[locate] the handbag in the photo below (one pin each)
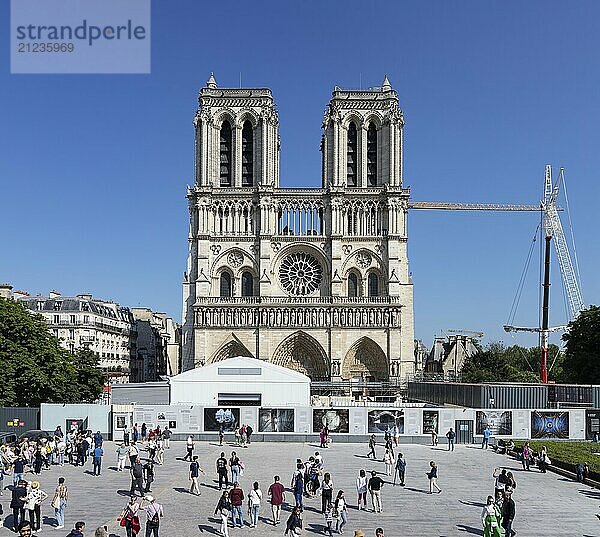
(55, 502)
(547, 460)
(225, 512)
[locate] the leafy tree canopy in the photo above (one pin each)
(36, 369)
(582, 355)
(497, 363)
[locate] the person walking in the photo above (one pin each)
(400, 470)
(526, 456)
(294, 522)
(508, 513)
(154, 512)
(326, 492)
(126, 435)
(341, 509)
(234, 464)
(33, 504)
(137, 478)
(148, 475)
(254, 499)
(122, 451)
(129, 517)
(361, 489)
(222, 471)
(298, 486)
(224, 509)
(490, 518)
(166, 435)
(18, 469)
(432, 475)
(543, 460)
(485, 442)
(434, 437)
(17, 503)
(144, 432)
(98, 453)
(59, 502)
(189, 445)
(236, 497)
(372, 444)
(276, 494)
(375, 484)
(194, 475)
(328, 514)
(249, 431)
(323, 437)
(221, 435)
(134, 453)
(451, 436)
(388, 459)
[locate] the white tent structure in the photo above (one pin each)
(241, 381)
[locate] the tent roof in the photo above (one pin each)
(241, 369)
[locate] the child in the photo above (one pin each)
(329, 519)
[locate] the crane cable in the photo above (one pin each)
(521, 284)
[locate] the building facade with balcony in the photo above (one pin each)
(314, 279)
(86, 322)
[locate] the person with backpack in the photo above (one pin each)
(154, 512)
(451, 436)
(432, 475)
(194, 475)
(222, 471)
(98, 453)
(224, 509)
(254, 499)
(129, 517)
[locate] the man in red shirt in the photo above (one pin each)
(236, 496)
(276, 493)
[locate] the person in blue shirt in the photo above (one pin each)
(98, 453)
(98, 439)
(18, 470)
(486, 437)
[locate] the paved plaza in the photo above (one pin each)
(545, 504)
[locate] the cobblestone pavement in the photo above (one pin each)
(546, 505)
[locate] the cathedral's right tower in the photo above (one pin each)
(362, 153)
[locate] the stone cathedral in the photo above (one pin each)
(314, 279)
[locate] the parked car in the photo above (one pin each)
(36, 434)
(7, 439)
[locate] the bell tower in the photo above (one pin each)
(362, 140)
(237, 137)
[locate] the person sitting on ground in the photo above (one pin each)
(583, 471)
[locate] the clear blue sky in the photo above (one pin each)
(94, 168)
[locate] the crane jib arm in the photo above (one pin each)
(446, 206)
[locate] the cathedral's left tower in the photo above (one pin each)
(236, 166)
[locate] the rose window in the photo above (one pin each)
(300, 273)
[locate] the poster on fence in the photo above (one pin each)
(276, 420)
(381, 421)
(549, 424)
(337, 421)
(430, 421)
(215, 418)
(498, 421)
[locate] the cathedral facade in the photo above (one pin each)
(314, 279)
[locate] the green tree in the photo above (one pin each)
(35, 368)
(497, 363)
(581, 363)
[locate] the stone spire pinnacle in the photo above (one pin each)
(386, 86)
(211, 82)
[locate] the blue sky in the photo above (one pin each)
(94, 167)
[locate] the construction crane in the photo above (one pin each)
(553, 229)
(465, 333)
(444, 206)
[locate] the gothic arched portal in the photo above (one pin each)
(304, 354)
(365, 359)
(231, 349)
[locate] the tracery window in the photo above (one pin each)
(247, 284)
(247, 155)
(225, 152)
(351, 155)
(225, 289)
(372, 155)
(352, 285)
(373, 284)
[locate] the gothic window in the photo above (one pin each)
(351, 155)
(247, 284)
(373, 284)
(225, 290)
(247, 155)
(300, 273)
(225, 151)
(352, 285)
(372, 155)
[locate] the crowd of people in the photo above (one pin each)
(237, 506)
